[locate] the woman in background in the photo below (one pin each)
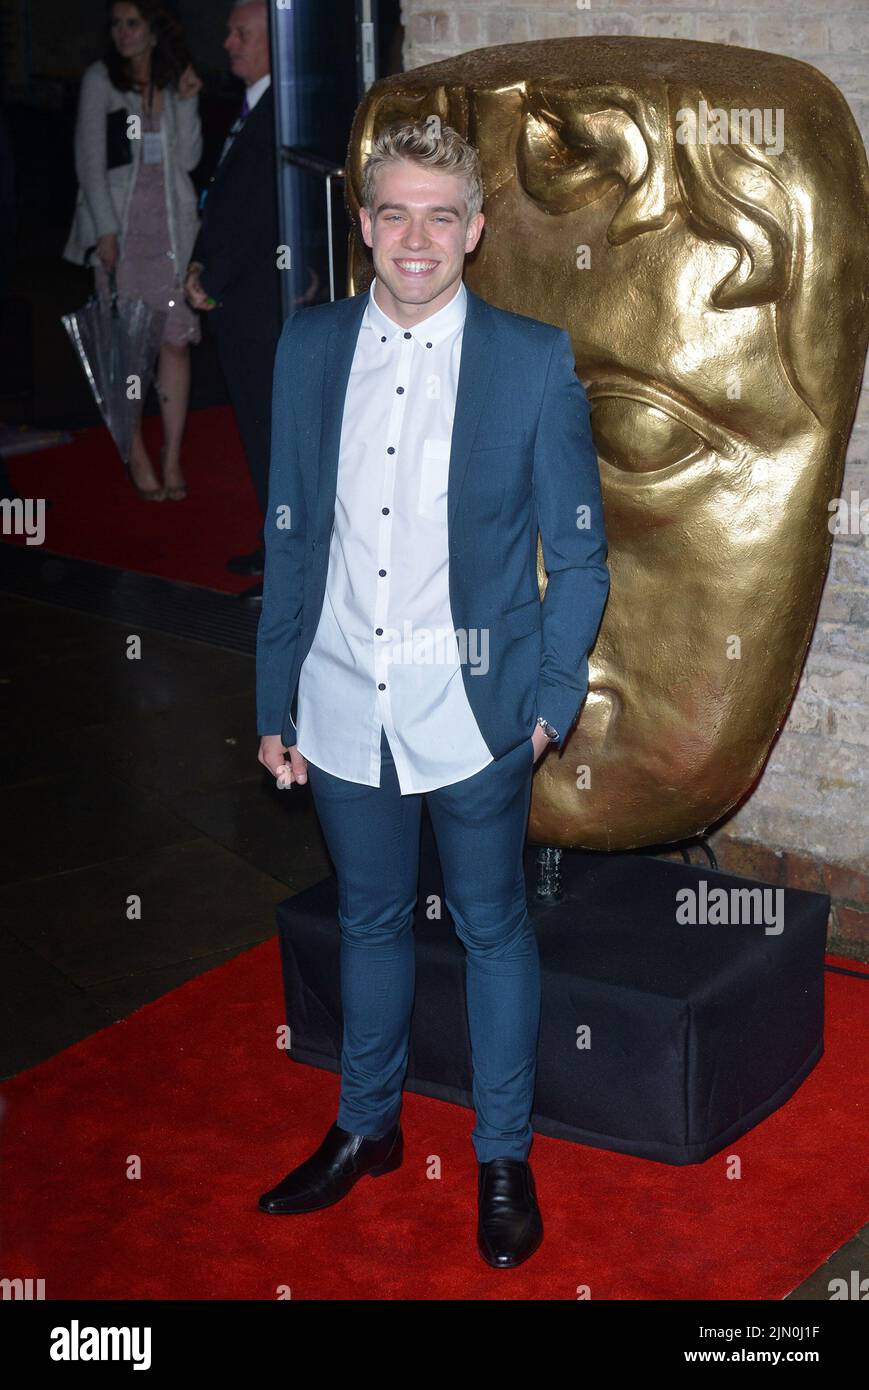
(136, 207)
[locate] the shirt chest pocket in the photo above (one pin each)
(433, 478)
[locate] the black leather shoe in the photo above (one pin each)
(510, 1227)
(328, 1175)
(252, 564)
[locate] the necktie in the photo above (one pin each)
(227, 145)
(234, 129)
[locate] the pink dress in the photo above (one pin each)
(147, 269)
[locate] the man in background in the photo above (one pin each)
(233, 274)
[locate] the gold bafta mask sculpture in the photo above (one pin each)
(697, 217)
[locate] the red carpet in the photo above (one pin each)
(97, 515)
(195, 1087)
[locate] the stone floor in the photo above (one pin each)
(141, 777)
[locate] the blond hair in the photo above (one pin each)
(432, 145)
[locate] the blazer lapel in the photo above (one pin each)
(338, 359)
(475, 373)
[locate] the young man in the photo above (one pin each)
(420, 438)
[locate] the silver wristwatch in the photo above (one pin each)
(547, 728)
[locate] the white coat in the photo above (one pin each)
(103, 200)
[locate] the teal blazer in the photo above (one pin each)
(522, 459)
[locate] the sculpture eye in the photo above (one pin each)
(641, 438)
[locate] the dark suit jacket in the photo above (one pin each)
(522, 458)
(239, 237)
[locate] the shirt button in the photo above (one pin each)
(379, 631)
(385, 511)
(399, 390)
(390, 450)
(428, 344)
(381, 686)
(407, 335)
(383, 339)
(381, 573)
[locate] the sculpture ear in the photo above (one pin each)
(576, 144)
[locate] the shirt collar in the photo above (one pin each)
(256, 89)
(430, 331)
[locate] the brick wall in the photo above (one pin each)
(807, 822)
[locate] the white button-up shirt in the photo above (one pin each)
(385, 653)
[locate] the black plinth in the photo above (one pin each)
(697, 1032)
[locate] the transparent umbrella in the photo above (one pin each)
(117, 342)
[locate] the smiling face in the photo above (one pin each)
(419, 234)
(131, 34)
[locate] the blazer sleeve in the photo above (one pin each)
(90, 150)
(188, 131)
(569, 505)
(285, 534)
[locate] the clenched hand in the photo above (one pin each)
(271, 754)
